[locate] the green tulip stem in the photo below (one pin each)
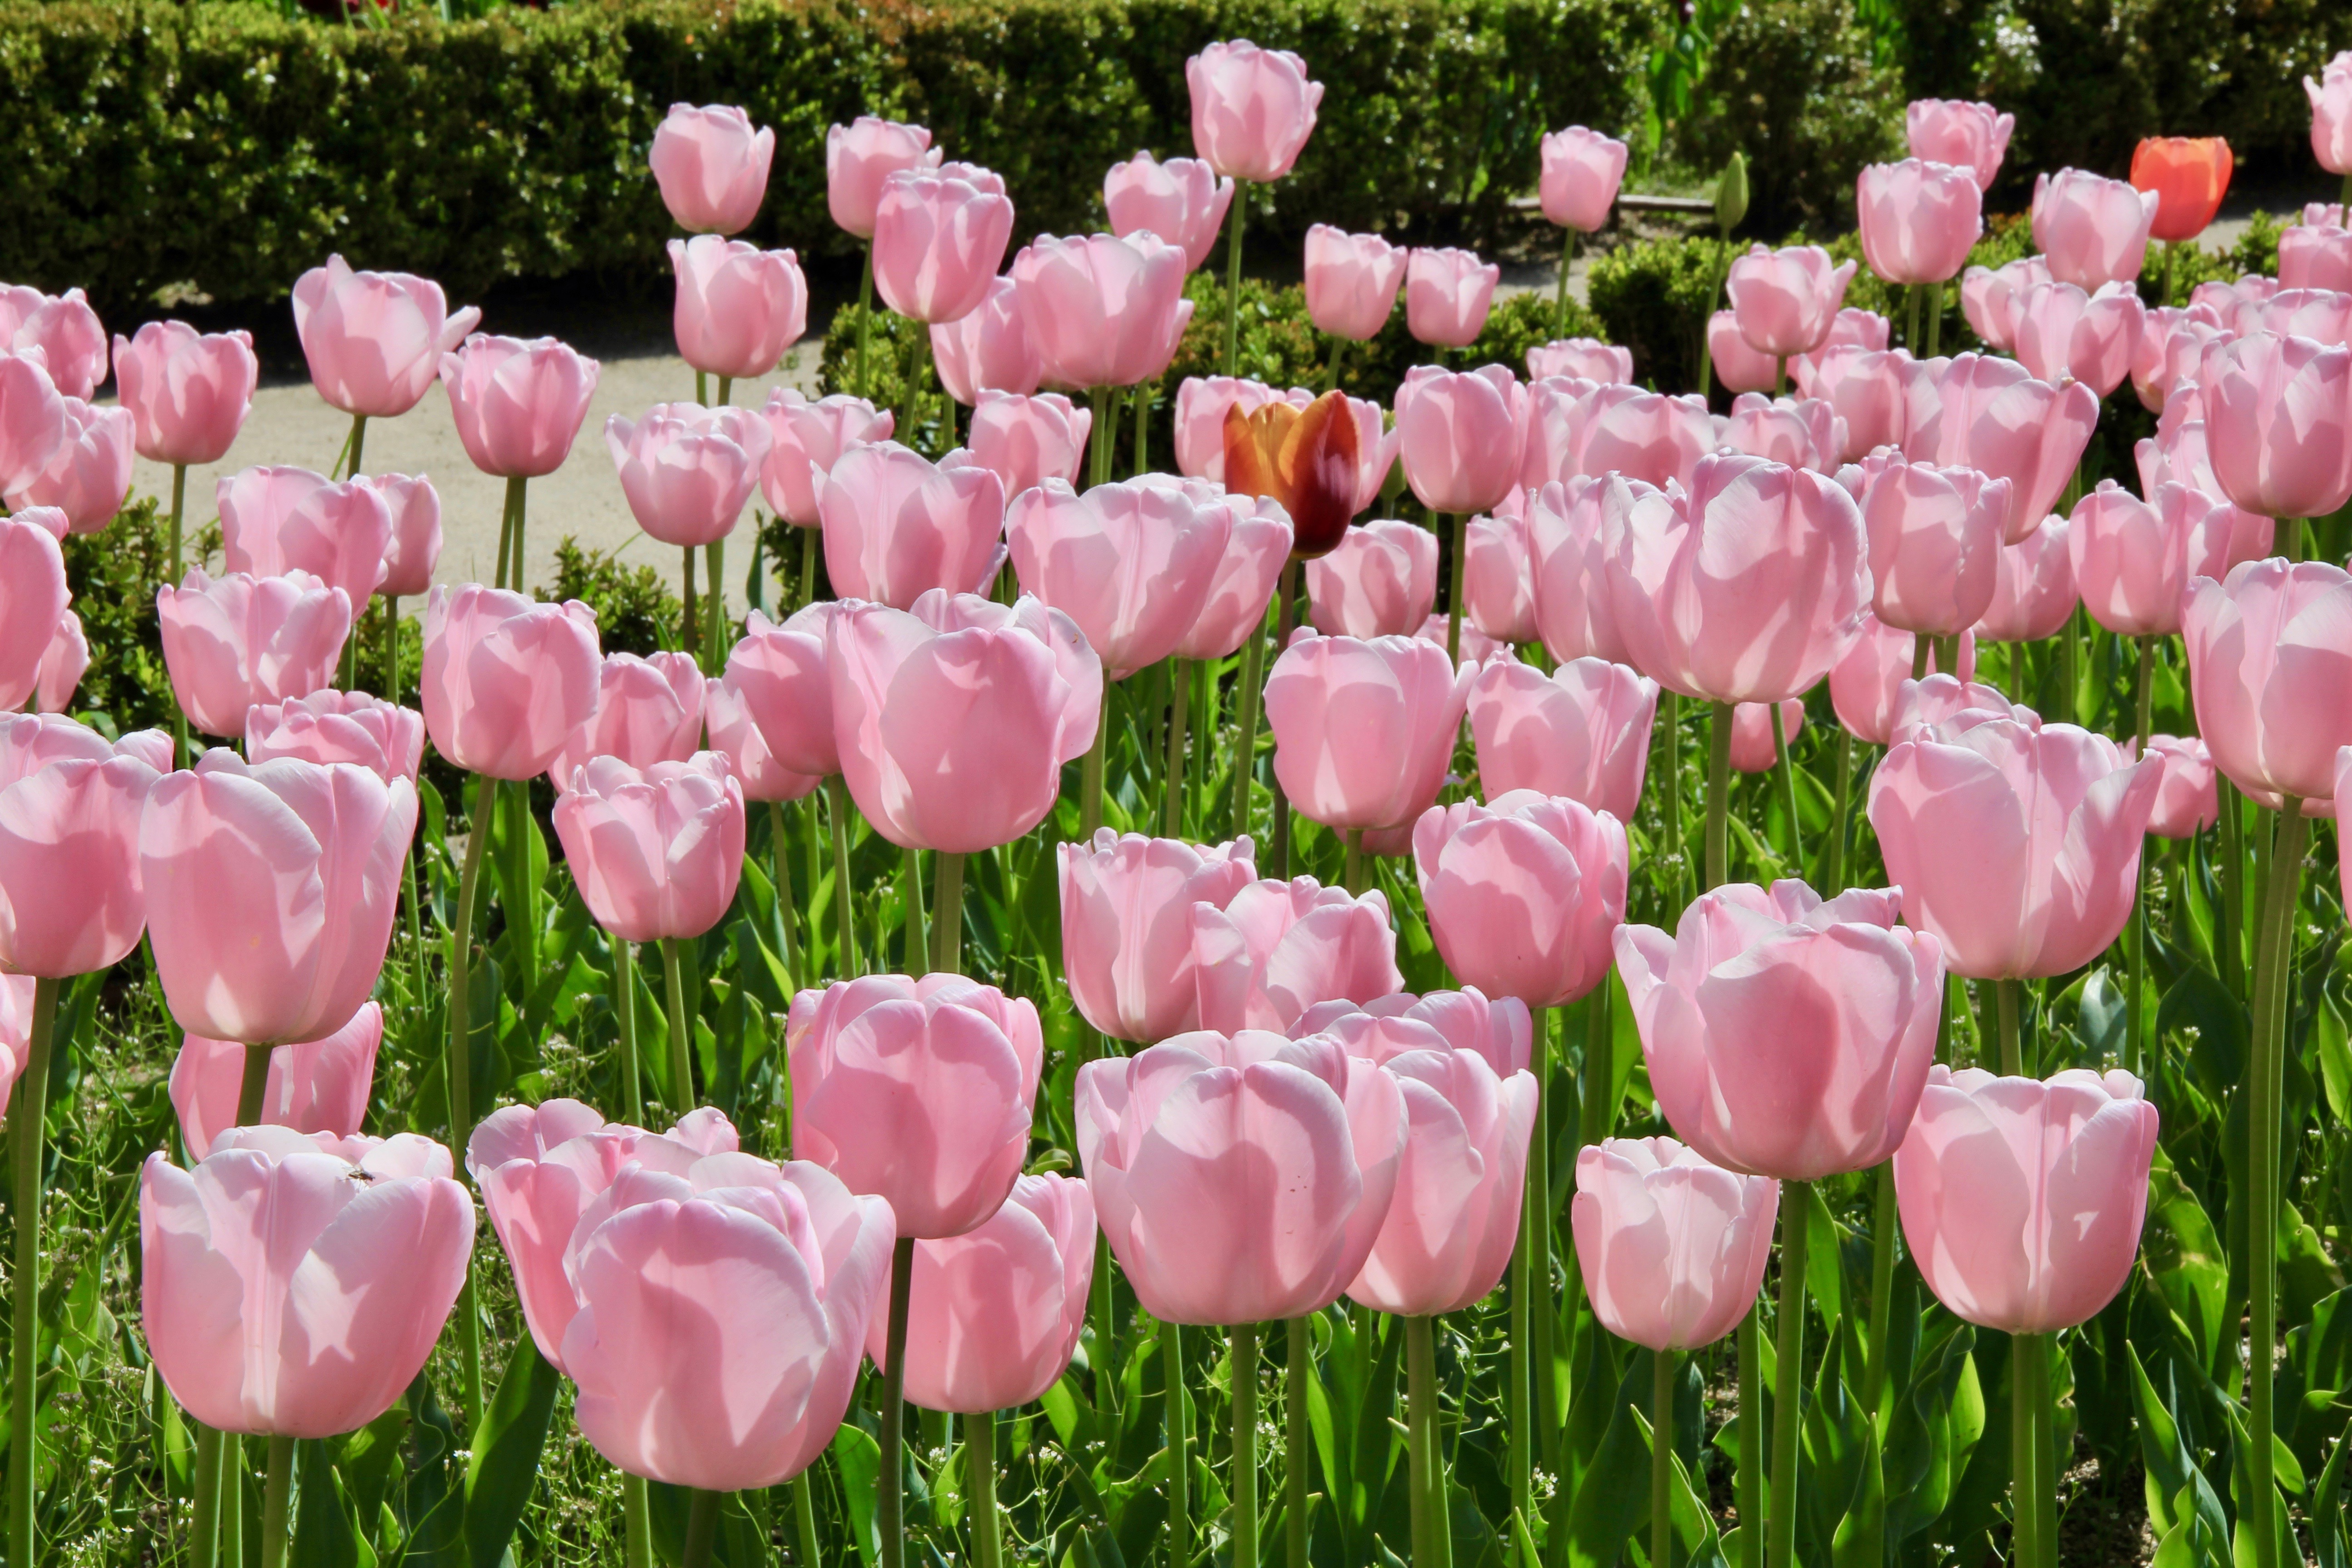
(1833, 863)
(836, 811)
(857, 381)
(1453, 604)
(1787, 1394)
(171, 567)
(204, 1528)
(947, 913)
(1718, 796)
(1143, 395)
(2133, 1004)
(1243, 1473)
(1883, 1226)
(1432, 1536)
(702, 1527)
(681, 1046)
(1749, 1485)
(1788, 770)
(2024, 1516)
(1234, 277)
(1339, 356)
(358, 445)
(1298, 1442)
(689, 620)
(715, 641)
(2230, 935)
(1286, 606)
(1180, 685)
(1090, 773)
(27, 1134)
(516, 491)
(1662, 1456)
(1179, 1449)
(804, 1521)
(458, 1069)
(624, 1009)
(2006, 1008)
(276, 1500)
(1559, 293)
(2274, 958)
(787, 913)
(890, 1500)
(979, 1480)
(1935, 320)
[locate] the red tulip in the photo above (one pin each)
(1201, 406)
(1312, 462)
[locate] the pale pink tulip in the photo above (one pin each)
(319, 1086)
(861, 155)
(2063, 331)
(1352, 282)
(1583, 732)
(2278, 420)
(711, 166)
(2316, 255)
(1127, 928)
(1234, 610)
(1380, 582)
(1587, 359)
(63, 327)
(33, 425)
(1866, 682)
(1523, 893)
(1737, 366)
(16, 1032)
(88, 477)
(1951, 130)
(1803, 432)
(688, 470)
(779, 675)
(332, 726)
(1852, 328)
(1649, 436)
(738, 308)
(1865, 387)
(1573, 611)
(2033, 587)
(2187, 802)
(655, 851)
(1253, 108)
(1579, 180)
(1498, 579)
(2090, 230)
(1991, 415)
(1672, 1248)
(990, 349)
(275, 520)
(2133, 561)
(1025, 441)
(1447, 294)
(1753, 750)
(1785, 301)
(1461, 434)
(70, 897)
(1363, 729)
(1201, 404)
(648, 711)
(805, 439)
(1918, 219)
(1278, 949)
(373, 341)
(1131, 565)
(1499, 1029)
(33, 599)
(2270, 671)
(518, 405)
(2171, 347)
(231, 642)
(735, 736)
(1989, 297)
(1103, 310)
(415, 548)
(62, 667)
(1939, 698)
(505, 679)
(1935, 542)
(897, 525)
(939, 238)
(188, 392)
(1182, 201)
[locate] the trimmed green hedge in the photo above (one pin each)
(223, 146)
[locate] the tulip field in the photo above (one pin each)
(1548, 972)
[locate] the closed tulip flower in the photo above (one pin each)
(1380, 582)
(2187, 802)
(1499, 580)
(1447, 294)
(1952, 131)
(2133, 562)
(1523, 893)
(414, 547)
(2093, 231)
(738, 308)
(70, 897)
(1866, 683)
(1852, 328)
(1672, 1248)
(1130, 563)
(1935, 543)
(2189, 175)
(33, 599)
(1803, 432)
(2063, 331)
(518, 405)
(2323, 315)
(1314, 463)
(953, 722)
(995, 1315)
(2316, 256)
(939, 238)
(1582, 732)
(1253, 108)
(278, 1244)
(188, 392)
(1787, 1037)
(1938, 698)
(780, 675)
(1785, 301)
(1201, 404)
(88, 477)
(2034, 588)
(736, 736)
(1025, 441)
(989, 350)
(1990, 296)
(1739, 366)
(2269, 670)
(16, 1032)
(33, 425)
(648, 711)
(319, 1086)
(1918, 219)
(1753, 750)
(1363, 729)
(2278, 419)
(63, 327)
(861, 155)
(1588, 359)
(805, 439)
(1578, 184)
(1745, 593)
(275, 520)
(1182, 201)
(918, 1092)
(1127, 928)
(688, 470)
(332, 726)
(375, 340)
(1278, 949)
(62, 667)
(1499, 1029)
(1240, 1178)
(897, 525)
(1352, 282)
(1991, 415)
(711, 166)
(505, 679)
(1104, 310)
(1234, 610)
(2018, 847)
(2171, 347)
(655, 851)
(1568, 559)
(2022, 1202)
(1460, 435)
(231, 642)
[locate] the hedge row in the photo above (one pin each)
(229, 148)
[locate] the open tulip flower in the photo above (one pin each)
(315, 1086)
(1918, 219)
(1277, 949)
(2270, 672)
(1498, 588)
(1974, 136)
(861, 155)
(1447, 294)
(2187, 802)
(1460, 435)
(1802, 433)
(71, 901)
(1028, 440)
(1866, 682)
(1130, 563)
(1581, 173)
(2278, 418)
(334, 726)
(1575, 615)
(414, 547)
(1587, 359)
(373, 341)
(1104, 310)
(711, 166)
(1990, 415)
(1234, 611)
(655, 851)
(1253, 108)
(1753, 749)
(1352, 282)
(2133, 562)
(1380, 582)
(32, 421)
(188, 392)
(88, 477)
(275, 521)
(1363, 729)
(1498, 1028)
(1990, 295)
(1736, 365)
(2063, 331)
(231, 642)
(897, 525)
(1182, 201)
(1935, 542)
(1786, 300)
(1523, 893)
(518, 405)
(989, 350)
(686, 471)
(62, 666)
(1672, 1248)
(2034, 591)
(2317, 255)
(780, 676)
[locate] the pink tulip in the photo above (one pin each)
(1803, 432)
(1588, 359)
(2187, 802)
(2218, 301)
(1498, 579)
(2178, 454)
(1672, 1248)
(415, 548)
(1460, 434)
(62, 667)
(2133, 562)
(1182, 201)
(1935, 543)
(805, 439)
(711, 166)
(1752, 747)
(1785, 301)
(939, 238)
(919, 1091)
(648, 710)
(88, 477)
(738, 308)
(1380, 582)
(1127, 928)
(1650, 437)
(2323, 315)
(990, 350)
(2093, 231)
(1745, 593)
(506, 680)
(779, 674)
(1201, 404)
(1950, 131)
(318, 1087)
(1240, 1179)
(70, 898)
(1278, 949)
(2062, 330)
(1363, 729)
(2171, 347)
(2278, 418)
(375, 340)
(518, 405)
(1523, 893)
(1558, 413)
(275, 520)
(33, 424)
(1253, 108)
(2331, 116)
(1787, 1037)
(1447, 294)
(1991, 415)
(2022, 1202)
(1573, 611)
(2316, 255)
(2034, 588)
(1867, 681)
(1352, 282)
(270, 889)
(33, 599)
(332, 726)
(1919, 218)
(1582, 170)
(293, 1283)
(16, 1032)
(686, 471)
(953, 722)
(1498, 1030)
(735, 736)
(1234, 610)
(1104, 312)
(188, 392)
(63, 327)
(655, 851)
(897, 526)
(1852, 328)
(1939, 698)
(1738, 367)
(2270, 671)
(1989, 298)
(1130, 563)
(1583, 732)
(995, 1315)
(860, 156)
(2018, 847)
(231, 642)
(1025, 441)
(1476, 648)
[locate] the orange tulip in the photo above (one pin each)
(2189, 175)
(1308, 459)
